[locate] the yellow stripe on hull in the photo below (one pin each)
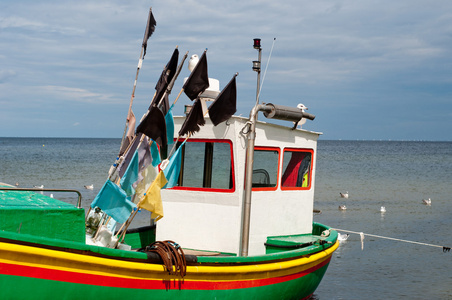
(87, 264)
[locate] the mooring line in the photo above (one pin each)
(445, 249)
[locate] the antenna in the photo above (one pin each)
(257, 66)
(266, 67)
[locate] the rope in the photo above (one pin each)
(445, 249)
(172, 255)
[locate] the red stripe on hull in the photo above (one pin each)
(135, 283)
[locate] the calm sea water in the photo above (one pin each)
(397, 175)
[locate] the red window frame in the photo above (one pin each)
(203, 189)
(277, 149)
(305, 150)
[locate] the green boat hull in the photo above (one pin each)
(41, 268)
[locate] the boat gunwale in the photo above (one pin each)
(135, 256)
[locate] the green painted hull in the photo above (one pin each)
(30, 288)
(41, 268)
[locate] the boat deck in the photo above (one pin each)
(33, 213)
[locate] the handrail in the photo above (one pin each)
(79, 202)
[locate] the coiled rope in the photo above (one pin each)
(172, 255)
(445, 249)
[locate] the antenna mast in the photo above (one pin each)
(251, 136)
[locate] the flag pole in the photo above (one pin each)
(177, 98)
(140, 62)
(150, 27)
(120, 235)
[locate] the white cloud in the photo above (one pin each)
(85, 51)
(69, 94)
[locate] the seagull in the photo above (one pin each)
(427, 202)
(193, 62)
(302, 107)
(342, 237)
(300, 123)
(38, 186)
(342, 207)
(17, 184)
(89, 187)
(382, 209)
(344, 195)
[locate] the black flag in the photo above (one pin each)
(165, 78)
(194, 120)
(198, 81)
(224, 105)
(154, 126)
(150, 27)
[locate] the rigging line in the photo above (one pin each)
(266, 67)
(390, 238)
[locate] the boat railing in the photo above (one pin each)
(79, 201)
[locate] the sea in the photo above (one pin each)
(386, 261)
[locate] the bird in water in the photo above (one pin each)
(38, 186)
(342, 207)
(89, 187)
(342, 237)
(344, 195)
(382, 209)
(427, 202)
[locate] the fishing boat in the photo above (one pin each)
(237, 223)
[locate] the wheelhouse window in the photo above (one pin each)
(297, 169)
(265, 168)
(207, 165)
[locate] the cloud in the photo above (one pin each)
(343, 55)
(66, 94)
(5, 75)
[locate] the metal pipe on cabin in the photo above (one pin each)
(246, 212)
(286, 113)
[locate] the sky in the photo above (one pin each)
(368, 70)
